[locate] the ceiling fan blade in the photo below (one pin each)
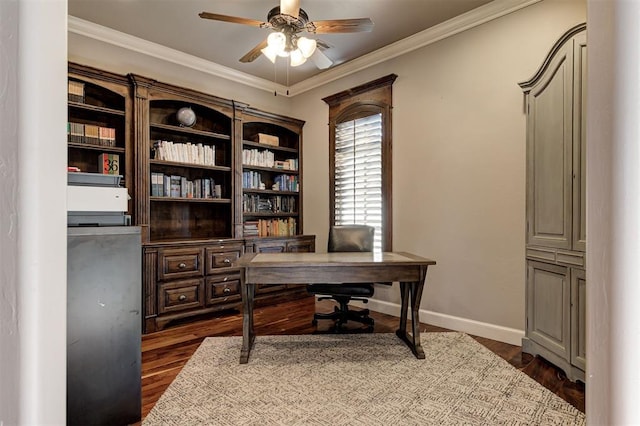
(340, 26)
(253, 54)
(321, 60)
(233, 19)
(290, 7)
(323, 44)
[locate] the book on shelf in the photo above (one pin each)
(75, 91)
(91, 134)
(275, 227)
(109, 164)
(290, 164)
(175, 186)
(255, 157)
(252, 180)
(190, 153)
(286, 183)
(267, 139)
(254, 203)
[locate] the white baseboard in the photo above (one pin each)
(490, 331)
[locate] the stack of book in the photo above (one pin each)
(76, 91)
(190, 153)
(290, 164)
(252, 180)
(286, 183)
(250, 228)
(175, 186)
(91, 134)
(254, 157)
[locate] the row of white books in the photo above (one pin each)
(266, 158)
(191, 153)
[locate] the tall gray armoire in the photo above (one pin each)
(556, 226)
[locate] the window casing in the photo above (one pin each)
(360, 158)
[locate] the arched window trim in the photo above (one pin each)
(368, 99)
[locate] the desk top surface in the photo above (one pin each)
(331, 259)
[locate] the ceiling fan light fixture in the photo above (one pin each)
(277, 42)
(306, 46)
(297, 58)
(270, 54)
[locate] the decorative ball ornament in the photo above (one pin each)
(186, 117)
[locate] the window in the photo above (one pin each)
(360, 158)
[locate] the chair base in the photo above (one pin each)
(343, 314)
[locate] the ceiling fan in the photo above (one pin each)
(287, 22)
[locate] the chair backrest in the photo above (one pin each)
(351, 238)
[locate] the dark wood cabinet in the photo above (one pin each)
(99, 123)
(271, 163)
(189, 278)
(182, 157)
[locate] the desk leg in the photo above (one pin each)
(414, 290)
(248, 334)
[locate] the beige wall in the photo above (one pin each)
(105, 56)
(459, 156)
(458, 163)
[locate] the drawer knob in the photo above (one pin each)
(226, 290)
(227, 261)
(182, 298)
(182, 265)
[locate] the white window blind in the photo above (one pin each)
(358, 174)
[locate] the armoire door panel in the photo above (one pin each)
(548, 306)
(550, 156)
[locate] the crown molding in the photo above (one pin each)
(471, 19)
(126, 41)
(466, 21)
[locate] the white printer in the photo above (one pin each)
(95, 199)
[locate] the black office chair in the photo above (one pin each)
(346, 238)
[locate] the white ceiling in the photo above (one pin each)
(176, 24)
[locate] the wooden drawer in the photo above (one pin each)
(180, 295)
(222, 257)
(223, 288)
(180, 263)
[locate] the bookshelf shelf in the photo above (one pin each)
(191, 200)
(96, 109)
(188, 165)
(259, 145)
(268, 192)
(270, 169)
(96, 147)
(266, 214)
(189, 131)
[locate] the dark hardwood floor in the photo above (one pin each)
(165, 352)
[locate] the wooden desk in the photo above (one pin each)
(309, 268)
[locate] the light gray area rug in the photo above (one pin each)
(358, 379)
